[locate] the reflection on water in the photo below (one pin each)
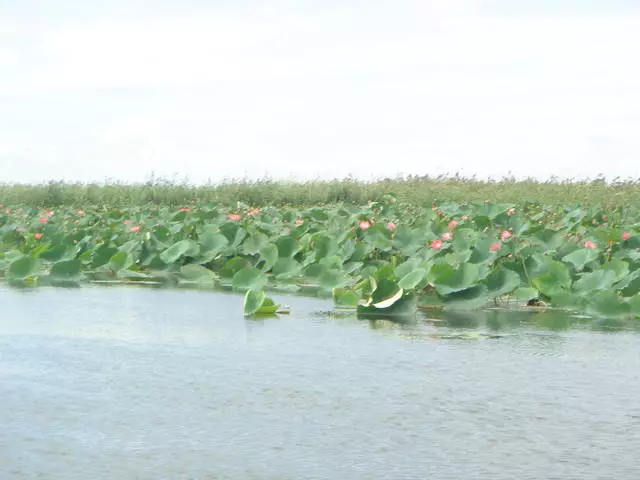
(518, 319)
(148, 383)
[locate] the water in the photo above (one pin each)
(132, 383)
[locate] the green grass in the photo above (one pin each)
(412, 189)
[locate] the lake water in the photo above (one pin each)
(133, 383)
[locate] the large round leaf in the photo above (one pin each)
(253, 300)
(197, 274)
(412, 279)
(66, 269)
(287, 247)
(233, 265)
(502, 281)
(178, 250)
(212, 243)
(269, 255)
(254, 243)
(249, 278)
(579, 258)
(469, 298)
(55, 253)
(120, 261)
(286, 267)
(344, 297)
(23, 267)
(607, 305)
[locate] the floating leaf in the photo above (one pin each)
(254, 243)
(597, 280)
(213, 243)
(249, 278)
(344, 297)
(286, 267)
(287, 247)
(23, 267)
(178, 250)
(193, 273)
(233, 265)
(579, 258)
(469, 298)
(268, 307)
(412, 279)
(253, 300)
(66, 269)
(607, 305)
(120, 261)
(502, 281)
(269, 254)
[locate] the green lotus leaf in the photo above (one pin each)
(287, 247)
(502, 281)
(597, 280)
(23, 267)
(469, 298)
(233, 265)
(286, 268)
(178, 250)
(254, 243)
(120, 261)
(253, 300)
(198, 274)
(412, 279)
(579, 258)
(66, 269)
(607, 304)
(249, 278)
(344, 297)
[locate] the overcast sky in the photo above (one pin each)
(318, 89)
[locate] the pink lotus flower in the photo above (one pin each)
(437, 244)
(590, 244)
(253, 212)
(505, 234)
(184, 209)
(511, 211)
(127, 222)
(48, 213)
(299, 222)
(37, 236)
(135, 229)
(234, 217)
(364, 224)
(43, 220)
(453, 224)
(447, 236)
(80, 212)
(391, 226)
(626, 236)
(495, 246)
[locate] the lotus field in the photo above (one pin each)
(384, 258)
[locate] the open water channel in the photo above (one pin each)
(140, 383)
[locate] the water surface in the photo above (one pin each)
(134, 383)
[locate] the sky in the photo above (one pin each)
(206, 91)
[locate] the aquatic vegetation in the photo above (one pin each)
(382, 258)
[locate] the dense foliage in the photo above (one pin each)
(418, 190)
(386, 257)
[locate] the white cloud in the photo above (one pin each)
(369, 90)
